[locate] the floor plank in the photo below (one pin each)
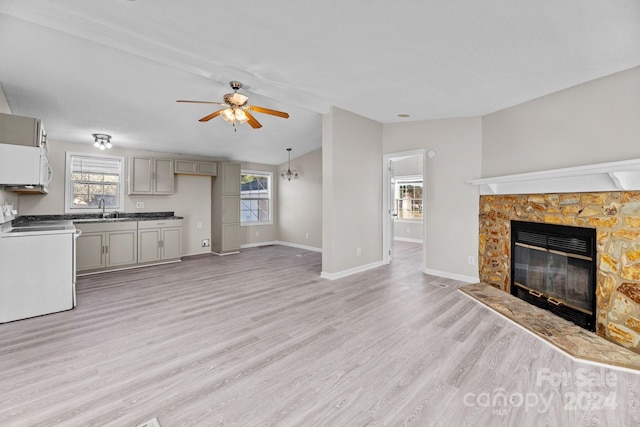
(259, 338)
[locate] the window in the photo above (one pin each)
(90, 180)
(409, 198)
(255, 197)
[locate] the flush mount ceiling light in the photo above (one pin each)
(102, 140)
(289, 174)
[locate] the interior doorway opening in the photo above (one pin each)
(404, 210)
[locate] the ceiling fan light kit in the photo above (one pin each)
(237, 110)
(289, 174)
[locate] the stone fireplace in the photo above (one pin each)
(615, 216)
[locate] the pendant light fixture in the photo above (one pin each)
(102, 141)
(289, 174)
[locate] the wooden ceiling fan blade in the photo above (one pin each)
(210, 116)
(268, 111)
(200, 102)
(252, 120)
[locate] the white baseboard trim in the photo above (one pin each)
(454, 276)
(407, 239)
(255, 245)
(350, 271)
(278, 242)
(226, 253)
(295, 245)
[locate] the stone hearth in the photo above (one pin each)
(573, 340)
(616, 218)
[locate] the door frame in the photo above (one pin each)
(386, 244)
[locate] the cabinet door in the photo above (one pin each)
(230, 209)
(149, 245)
(121, 248)
(205, 168)
(230, 237)
(231, 178)
(140, 175)
(186, 166)
(90, 251)
(171, 243)
(19, 130)
(163, 176)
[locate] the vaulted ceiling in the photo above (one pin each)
(118, 66)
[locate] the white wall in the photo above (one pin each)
(451, 205)
(300, 202)
(598, 121)
(351, 192)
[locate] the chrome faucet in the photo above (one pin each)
(103, 205)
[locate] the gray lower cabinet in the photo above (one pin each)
(104, 245)
(113, 245)
(159, 240)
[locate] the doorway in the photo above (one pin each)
(404, 195)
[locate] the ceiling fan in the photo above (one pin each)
(237, 110)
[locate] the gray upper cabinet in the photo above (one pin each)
(150, 175)
(196, 167)
(21, 130)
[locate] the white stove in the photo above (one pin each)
(37, 264)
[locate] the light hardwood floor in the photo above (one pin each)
(260, 339)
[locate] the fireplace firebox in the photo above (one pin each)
(554, 267)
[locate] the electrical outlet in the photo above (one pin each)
(139, 205)
(205, 243)
(472, 260)
(358, 251)
(306, 236)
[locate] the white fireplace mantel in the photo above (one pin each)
(613, 176)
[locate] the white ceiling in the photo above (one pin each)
(118, 66)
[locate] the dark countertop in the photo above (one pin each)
(85, 218)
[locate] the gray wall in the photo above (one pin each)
(598, 121)
(351, 192)
(451, 205)
(300, 203)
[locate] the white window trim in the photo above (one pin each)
(270, 189)
(68, 191)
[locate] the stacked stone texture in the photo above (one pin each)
(616, 218)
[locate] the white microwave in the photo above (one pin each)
(24, 169)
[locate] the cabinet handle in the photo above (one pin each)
(106, 249)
